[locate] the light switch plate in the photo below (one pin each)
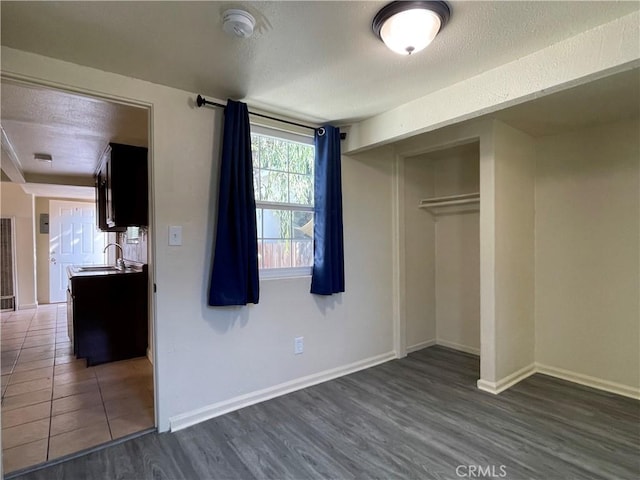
(175, 235)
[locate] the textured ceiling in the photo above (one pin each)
(311, 60)
(315, 61)
(609, 99)
(73, 129)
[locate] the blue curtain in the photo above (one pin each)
(328, 248)
(234, 277)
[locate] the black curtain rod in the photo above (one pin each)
(201, 101)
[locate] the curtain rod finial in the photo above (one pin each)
(321, 131)
(200, 100)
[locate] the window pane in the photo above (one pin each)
(277, 253)
(302, 224)
(256, 183)
(273, 186)
(302, 253)
(276, 223)
(273, 154)
(301, 189)
(255, 151)
(259, 231)
(259, 221)
(301, 158)
(260, 254)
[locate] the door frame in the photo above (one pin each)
(151, 243)
(456, 138)
(14, 260)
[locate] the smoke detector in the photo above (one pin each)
(238, 23)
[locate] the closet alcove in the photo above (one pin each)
(442, 248)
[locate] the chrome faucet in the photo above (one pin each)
(119, 261)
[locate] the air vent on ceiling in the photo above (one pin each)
(43, 157)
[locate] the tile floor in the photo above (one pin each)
(52, 404)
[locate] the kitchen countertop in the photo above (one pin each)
(131, 267)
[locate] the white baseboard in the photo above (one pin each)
(421, 345)
(184, 420)
(444, 343)
(589, 381)
(579, 378)
(457, 346)
(27, 306)
(508, 381)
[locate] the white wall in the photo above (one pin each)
(458, 281)
(16, 203)
(587, 252)
(419, 245)
(514, 156)
(207, 357)
(457, 253)
(42, 252)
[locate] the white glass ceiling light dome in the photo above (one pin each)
(408, 27)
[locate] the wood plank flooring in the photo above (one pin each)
(416, 418)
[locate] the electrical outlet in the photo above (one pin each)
(298, 345)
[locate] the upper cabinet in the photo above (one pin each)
(122, 188)
(101, 198)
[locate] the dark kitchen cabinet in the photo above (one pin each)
(122, 188)
(109, 316)
(101, 201)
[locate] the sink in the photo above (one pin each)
(98, 268)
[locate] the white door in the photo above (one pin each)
(74, 239)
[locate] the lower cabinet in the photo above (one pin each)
(109, 316)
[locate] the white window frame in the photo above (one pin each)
(287, 272)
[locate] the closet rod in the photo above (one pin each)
(201, 101)
(434, 203)
(474, 195)
(462, 201)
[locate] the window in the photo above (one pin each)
(283, 183)
(133, 235)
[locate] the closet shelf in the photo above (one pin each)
(436, 203)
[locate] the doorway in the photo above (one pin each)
(442, 249)
(54, 406)
(7, 265)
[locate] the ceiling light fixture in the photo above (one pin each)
(408, 27)
(43, 157)
(238, 23)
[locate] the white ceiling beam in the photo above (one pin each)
(597, 53)
(59, 191)
(11, 165)
(61, 179)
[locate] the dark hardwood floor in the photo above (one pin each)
(420, 417)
